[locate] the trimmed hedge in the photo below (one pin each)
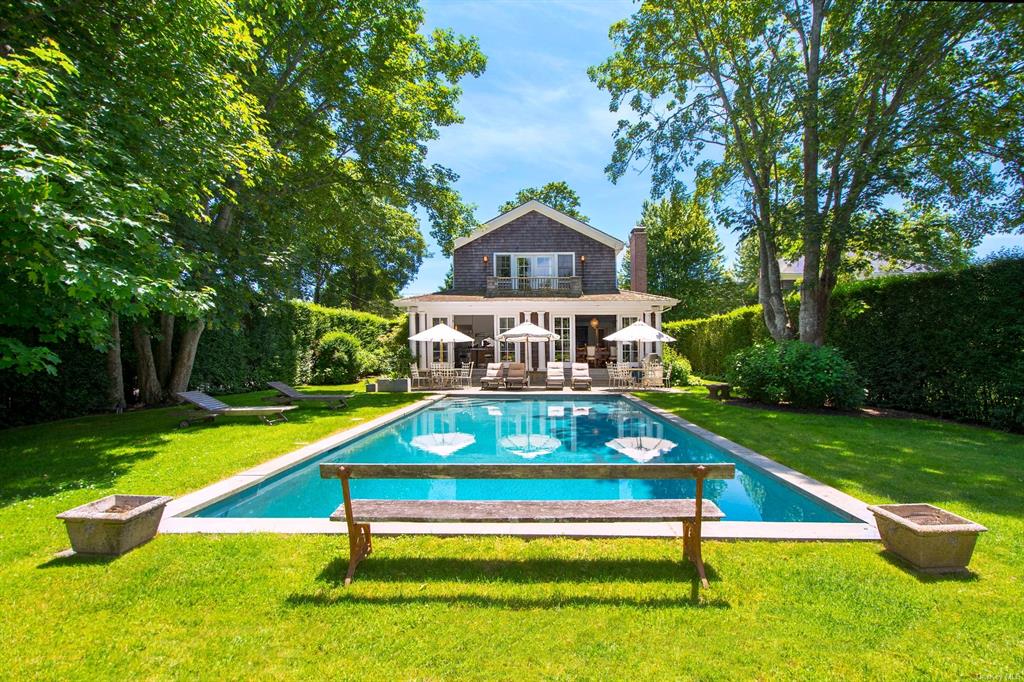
(707, 342)
(280, 343)
(949, 344)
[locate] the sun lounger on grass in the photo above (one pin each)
(286, 395)
(208, 407)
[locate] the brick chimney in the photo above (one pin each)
(638, 259)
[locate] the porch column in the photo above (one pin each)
(425, 349)
(657, 325)
(412, 331)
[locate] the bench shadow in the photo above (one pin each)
(68, 559)
(507, 571)
(964, 576)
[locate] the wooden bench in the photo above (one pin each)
(358, 514)
(718, 391)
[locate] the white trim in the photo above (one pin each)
(545, 210)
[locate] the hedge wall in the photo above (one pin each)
(278, 343)
(275, 342)
(949, 344)
(706, 342)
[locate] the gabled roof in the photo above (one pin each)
(545, 210)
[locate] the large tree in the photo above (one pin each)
(556, 194)
(824, 111)
(114, 117)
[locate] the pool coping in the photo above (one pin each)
(176, 519)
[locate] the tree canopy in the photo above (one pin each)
(557, 194)
(821, 112)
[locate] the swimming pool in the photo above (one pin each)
(555, 429)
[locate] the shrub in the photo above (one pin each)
(676, 367)
(798, 373)
(337, 359)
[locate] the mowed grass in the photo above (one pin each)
(273, 607)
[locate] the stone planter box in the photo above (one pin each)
(394, 385)
(931, 539)
(115, 524)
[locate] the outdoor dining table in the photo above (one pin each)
(444, 375)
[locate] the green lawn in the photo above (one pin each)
(502, 608)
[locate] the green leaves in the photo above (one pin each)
(556, 194)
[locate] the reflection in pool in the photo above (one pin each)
(552, 429)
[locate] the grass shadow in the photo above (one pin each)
(514, 603)
(964, 576)
(69, 559)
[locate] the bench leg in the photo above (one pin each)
(360, 545)
(691, 548)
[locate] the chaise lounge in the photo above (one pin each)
(493, 378)
(287, 395)
(517, 378)
(580, 377)
(556, 376)
(208, 407)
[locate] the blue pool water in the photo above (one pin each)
(522, 430)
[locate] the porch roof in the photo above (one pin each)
(620, 296)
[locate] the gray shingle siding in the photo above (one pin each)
(534, 233)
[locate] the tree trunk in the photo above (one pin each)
(115, 371)
(186, 357)
(812, 323)
(769, 282)
(165, 348)
(150, 391)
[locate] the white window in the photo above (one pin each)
(506, 351)
(503, 265)
(563, 346)
(534, 264)
(440, 352)
(628, 349)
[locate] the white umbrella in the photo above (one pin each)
(641, 449)
(443, 444)
(530, 445)
(639, 331)
(527, 332)
(441, 333)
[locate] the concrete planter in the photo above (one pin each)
(115, 524)
(933, 540)
(394, 385)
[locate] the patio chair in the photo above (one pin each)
(517, 377)
(494, 377)
(208, 407)
(287, 395)
(619, 375)
(555, 376)
(580, 376)
(419, 380)
(465, 375)
(654, 375)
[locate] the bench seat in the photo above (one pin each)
(528, 511)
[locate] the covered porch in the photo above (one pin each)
(582, 326)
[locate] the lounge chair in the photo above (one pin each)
(580, 376)
(517, 378)
(493, 378)
(287, 395)
(208, 407)
(556, 376)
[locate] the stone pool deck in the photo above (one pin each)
(862, 528)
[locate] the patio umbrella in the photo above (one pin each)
(443, 444)
(441, 333)
(529, 446)
(639, 332)
(527, 332)
(641, 449)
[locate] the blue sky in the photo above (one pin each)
(534, 116)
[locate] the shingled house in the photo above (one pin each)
(537, 264)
